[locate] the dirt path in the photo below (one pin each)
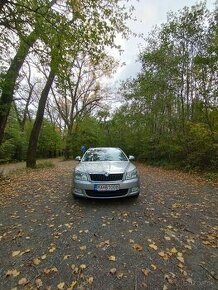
(167, 239)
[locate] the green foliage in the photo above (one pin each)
(200, 152)
(50, 140)
(88, 132)
(170, 113)
(15, 143)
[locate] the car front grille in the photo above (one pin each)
(94, 193)
(103, 177)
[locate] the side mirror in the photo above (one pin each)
(131, 158)
(78, 158)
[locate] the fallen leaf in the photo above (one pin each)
(52, 249)
(90, 280)
(153, 246)
(74, 237)
(82, 266)
(181, 259)
(60, 286)
(36, 261)
(174, 250)
(47, 270)
(15, 253)
(13, 273)
(189, 280)
(162, 254)
(72, 285)
(38, 283)
(145, 271)
(66, 257)
(82, 248)
(43, 257)
(120, 275)
(137, 247)
(23, 282)
(153, 266)
(112, 258)
(113, 271)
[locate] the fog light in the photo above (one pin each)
(134, 189)
(78, 191)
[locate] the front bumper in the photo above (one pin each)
(86, 189)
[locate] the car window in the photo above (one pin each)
(104, 154)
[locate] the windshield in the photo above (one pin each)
(104, 154)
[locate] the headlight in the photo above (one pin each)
(80, 175)
(131, 174)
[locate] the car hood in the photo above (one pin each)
(95, 167)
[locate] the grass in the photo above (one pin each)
(45, 164)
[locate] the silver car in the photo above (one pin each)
(105, 173)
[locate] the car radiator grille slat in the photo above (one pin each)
(103, 177)
(116, 193)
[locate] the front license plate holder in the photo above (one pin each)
(106, 187)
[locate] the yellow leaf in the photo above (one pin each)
(15, 253)
(181, 259)
(90, 280)
(38, 283)
(60, 286)
(75, 237)
(189, 280)
(167, 238)
(113, 271)
(174, 250)
(13, 273)
(72, 285)
(66, 257)
(120, 275)
(47, 271)
(153, 246)
(52, 249)
(83, 248)
(180, 265)
(162, 254)
(83, 266)
(137, 247)
(153, 266)
(23, 282)
(145, 271)
(112, 258)
(43, 257)
(36, 261)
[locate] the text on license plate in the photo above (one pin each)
(106, 187)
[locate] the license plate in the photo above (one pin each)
(106, 187)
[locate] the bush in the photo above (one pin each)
(200, 151)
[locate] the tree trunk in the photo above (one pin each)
(34, 136)
(10, 80)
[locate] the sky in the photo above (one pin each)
(148, 13)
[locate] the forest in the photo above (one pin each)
(55, 61)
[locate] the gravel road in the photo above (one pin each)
(166, 239)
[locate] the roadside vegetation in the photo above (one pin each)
(54, 99)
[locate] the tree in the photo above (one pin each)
(26, 42)
(174, 96)
(72, 38)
